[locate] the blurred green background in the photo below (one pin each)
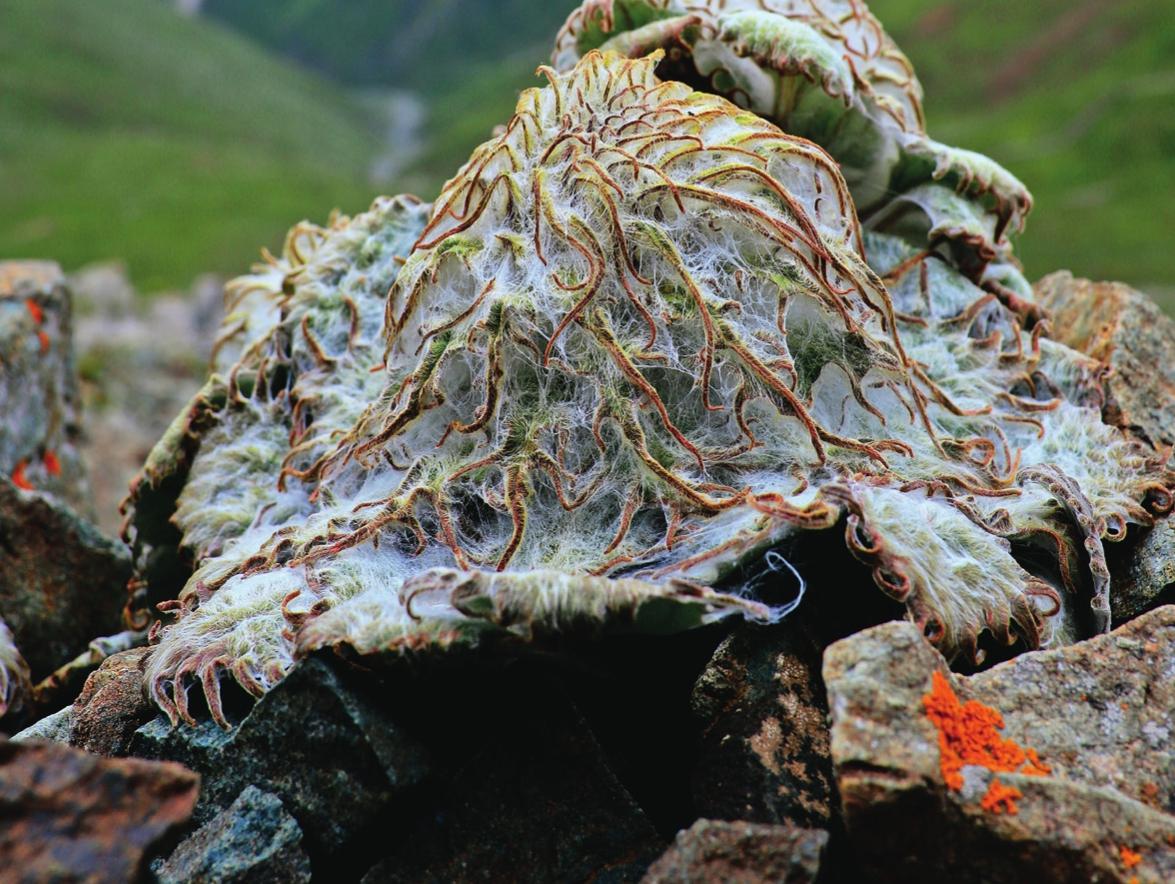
(181, 136)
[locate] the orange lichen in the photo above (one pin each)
(1001, 798)
(19, 479)
(34, 310)
(1130, 858)
(52, 464)
(968, 734)
(43, 337)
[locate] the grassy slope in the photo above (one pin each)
(127, 131)
(469, 59)
(418, 44)
(1077, 97)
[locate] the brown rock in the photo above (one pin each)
(61, 582)
(740, 853)
(764, 751)
(1125, 329)
(1100, 715)
(69, 816)
(112, 705)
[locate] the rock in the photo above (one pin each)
(68, 679)
(253, 841)
(521, 789)
(1142, 571)
(69, 816)
(15, 688)
(41, 431)
(1125, 329)
(764, 753)
(740, 853)
(52, 728)
(330, 754)
(141, 359)
(61, 581)
(973, 803)
(102, 289)
(112, 705)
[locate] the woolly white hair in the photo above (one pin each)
(636, 343)
(828, 71)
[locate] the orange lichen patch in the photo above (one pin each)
(43, 337)
(52, 464)
(34, 310)
(1130, 858)
(19, 479)
(1001, 798)
(968, 734)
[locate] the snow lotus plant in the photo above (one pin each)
(827, 71)
(639, 341)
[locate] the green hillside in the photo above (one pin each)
(468, 59)
(127, 131)
(181, 145)
(1077, 97)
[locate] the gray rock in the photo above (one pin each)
(52, 728)
(1100, 715)
(332, 756)
(41, 431)
(1142, 571)
(712, 852)
(141, 359)
(61, 581)
(253, 841)
(764, 754)
(1126, 330)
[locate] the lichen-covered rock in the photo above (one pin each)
(39, 435)
(253, 841)
(1050, 767)
(41, 429)
(331, 755)
(111, 705)
(69, 816)
(15, 686)
(712, 852)
(67, 680)
(764, 755)
(61, 582)
(1144, 572)
(1127, 332)
(638, 341)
